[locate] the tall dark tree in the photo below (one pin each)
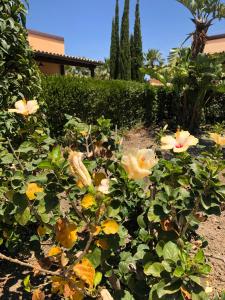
(132, 53)
(125, 56)
(117, 42)
(138, 54)
(113, 52)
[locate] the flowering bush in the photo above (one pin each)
(119, 225)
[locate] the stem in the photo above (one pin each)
(32, 208)
(78, 212)
(15, 155)
(41, 270)
(82, 254)
(27, 265)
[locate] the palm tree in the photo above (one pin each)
(204, 12)
(153, 58)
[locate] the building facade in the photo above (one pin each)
(49, 52)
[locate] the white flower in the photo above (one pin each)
(104, 186)
(180, 143)
(25, 108)
(139, 164)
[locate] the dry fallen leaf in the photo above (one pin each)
(38, 295)
(185, 293)
(64, 260)
(106, 295)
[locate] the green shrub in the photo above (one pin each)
(125, 103)
(19, 75)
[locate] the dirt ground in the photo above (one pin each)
(213, 229)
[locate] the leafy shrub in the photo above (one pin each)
(125, 103)
(118, 224)
(18, 73)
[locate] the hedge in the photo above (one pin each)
(124, 102)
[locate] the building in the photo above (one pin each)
(49, 52)
(215, 44)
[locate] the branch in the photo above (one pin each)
(84, 252)
(215, 257)
(78, 212)
(41, 270)
(27, 265)
(15, 155)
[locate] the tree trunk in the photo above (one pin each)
(199, 38)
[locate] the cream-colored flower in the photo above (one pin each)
(218, 139)
(25, 108)
(104, 186)
(180, 143)
(78, 168)
(139, 164)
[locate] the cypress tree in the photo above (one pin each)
(138, 54)
(117, 42)
(125, 57)
(113, 52)
(132, 53)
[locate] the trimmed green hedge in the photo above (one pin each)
(124, 102)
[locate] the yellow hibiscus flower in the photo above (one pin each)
(180, 143)
(32, 189)
(139, 164)
(218, 139)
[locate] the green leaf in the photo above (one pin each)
(178, 272)
(55, 155)
(98, 278)
(113, 209)
(154, 269)
(7, 159)
(24, 217)
(95, 257)
(167, 265)
(196, 279)
(26, 147)
(141, 221)
(199, 257)
(171, 251)
(44, 217)
(201, 296)
(169, 289)
(159, 248)
(45, 164)
(26, 283)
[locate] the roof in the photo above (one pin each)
(52, 36)
(155, 82)
(66, 59)
(216, 37)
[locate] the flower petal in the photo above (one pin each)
(168, 142)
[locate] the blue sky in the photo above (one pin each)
(86, 24)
